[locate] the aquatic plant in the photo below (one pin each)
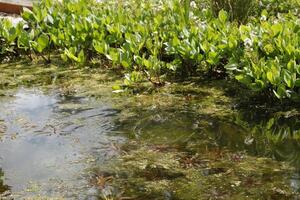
(271, 55)
(162, 40)
(148, 172)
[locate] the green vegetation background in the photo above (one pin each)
(255, 42)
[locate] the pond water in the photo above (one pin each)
(183, 142)
(48, 140)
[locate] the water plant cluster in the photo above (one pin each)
(167, 40)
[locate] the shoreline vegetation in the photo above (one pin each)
(167, 41)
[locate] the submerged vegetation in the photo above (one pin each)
(254, 42)
(160, 172)
(185, 136)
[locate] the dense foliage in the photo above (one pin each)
(159, 40)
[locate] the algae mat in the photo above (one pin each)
(65, 134)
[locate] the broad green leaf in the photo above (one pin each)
(23, 41)
(27, 14)
(280, 92)
(100, 47)
(223, 16)
(147, 63)
(81, 57)
(175, 41)
(297, 82)
(270, 77)
(258, 85)
(276, 28)
(291, 65)
(245, 79)
(42, 42)
(289, 78)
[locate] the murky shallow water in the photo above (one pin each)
(49, 141)
(54, 145)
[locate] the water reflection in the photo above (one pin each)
(278, 136)
(49, 141)
(275, 135)
(216, 148)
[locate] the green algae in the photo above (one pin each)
(185, 140)
(207, 98)
(68, 79)
(152, 173)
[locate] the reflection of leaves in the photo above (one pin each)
(288, 150)
(284, 135)
(276, 135)
(282, 126)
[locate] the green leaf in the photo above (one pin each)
(223, 16)
(187, 10)
(12, 35)
(125, 58)
(138, 60)
(27, 14)
(100, 47)
(264, 13)
(113, 55)
(64, 57)
(213, 58)
(270, 77)
(50, 19)
(258, 85)
(297, 82)
(276, 28)
(268, 48)
(297, 67)
(245, 79)
(280, 92)
(289, 78)
(81, 57)
(70, 54)
(231, 66)
(291, 65)
(42, 42)
(146, 63)
(23, 41)
(175, 41)
(116, 87)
